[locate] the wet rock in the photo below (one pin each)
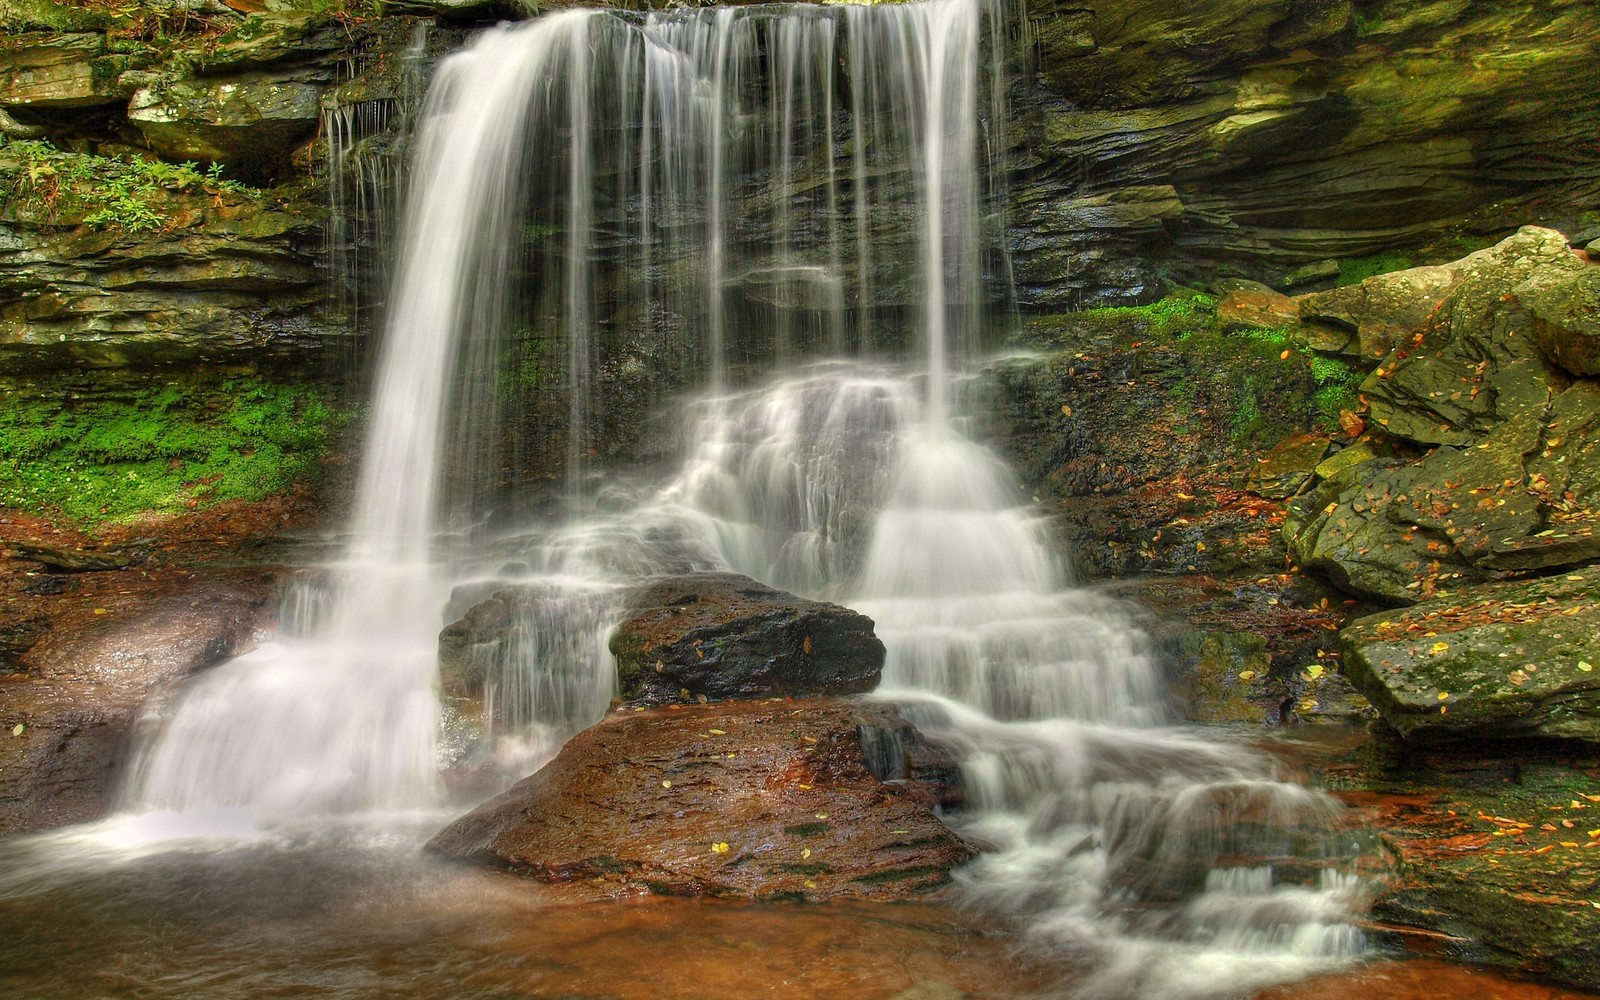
(1475, 361)
(1285, 470)
(720, 635)
(1566, 316)
(82, 684)
(72, 559)
(768, 799)
(47, 70)
(250, 122)
(1258, 308)
(1505, 659)
(1490, 844)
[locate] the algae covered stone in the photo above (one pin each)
(1499, 660)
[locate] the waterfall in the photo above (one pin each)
(709, 202)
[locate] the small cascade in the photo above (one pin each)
(365, 141)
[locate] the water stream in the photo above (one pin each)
(753, 201)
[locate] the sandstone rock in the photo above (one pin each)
(86, 680)
(1314, 273)
(1476, 361)
(1284, 470)
(55, 71)
(265, 40)
(726, 636)
(251, 122)
(1292, 135)
(1566, 317)
(771, 799)
(1504, 659)
(1257, 309)
(1380, 312)
(191, 292)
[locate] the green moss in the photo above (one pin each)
(937, 874)
(57, 186)
(161, 449)
(1354, 270)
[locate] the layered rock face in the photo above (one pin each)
(1259, 137)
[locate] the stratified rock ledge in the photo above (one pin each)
(1509, 659)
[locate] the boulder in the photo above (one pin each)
(1498, 660)
(1475, 362)
(1257, 308)
(773, 799)
(1566, 316)
(720, 635)
(1514, 482)
(82, 684)
(1369, 319)
(1284, 471)
(251, 122)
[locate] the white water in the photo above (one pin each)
(1172, 865)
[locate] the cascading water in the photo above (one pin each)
(589, 190)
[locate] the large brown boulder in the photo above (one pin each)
(720, 635)
(83, 683)
(775, 799)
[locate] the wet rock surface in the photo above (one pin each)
(78, 689)
(1510, 481)
(773, 799)
(1508, 659)
(1493, 848)
(84, 649)
(721, 635)
(1287, 133)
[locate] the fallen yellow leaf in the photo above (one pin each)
(666, 784)
(1440, 647)
(721, 847)
(806, 853)
(718, 732)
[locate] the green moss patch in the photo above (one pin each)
(179, 445)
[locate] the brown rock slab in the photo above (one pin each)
(84, 682)
(721, 635)
(774, 799)
(1257, 309)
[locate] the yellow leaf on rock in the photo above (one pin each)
(1440, 647)
(1585, 666)
(721, 847)
(1444, 695)
(717, 732)
(666, 784)
(18, 729)
(1247, 675)
(99, 611)
(1314, 671)
(806, 853)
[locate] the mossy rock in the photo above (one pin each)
(1504, 659)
